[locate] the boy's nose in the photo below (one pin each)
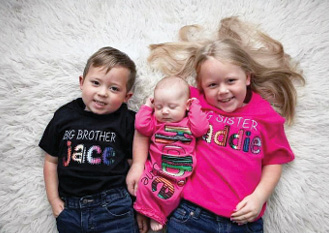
(103, 92)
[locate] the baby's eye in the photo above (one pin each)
(212, 85)
(172, 106)
(158, 107)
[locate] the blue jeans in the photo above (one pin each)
(109, 211)
(190, 218)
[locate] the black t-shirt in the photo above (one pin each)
(92, 149)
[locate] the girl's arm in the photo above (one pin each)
(140, 153)
(51, 183)
(198, 122)
(249, 208)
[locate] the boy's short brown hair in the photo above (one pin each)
(110, 57)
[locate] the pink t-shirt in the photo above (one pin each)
(231, 156)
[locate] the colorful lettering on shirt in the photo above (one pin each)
(92, 155)
(245, 138)
(166, 190)
(176, 166)
(179, 136)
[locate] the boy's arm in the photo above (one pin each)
(198, 121)
(51, 183)
(249, 208)
(140, 153)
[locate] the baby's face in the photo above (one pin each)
(170, 105)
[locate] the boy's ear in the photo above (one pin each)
(128, 96)
(81, 81)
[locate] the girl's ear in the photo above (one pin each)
(81, 81)
(248, 81)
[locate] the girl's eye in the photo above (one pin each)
(172, 106)
(212, 85)
(158, 107)
(231, 80)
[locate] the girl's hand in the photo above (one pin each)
(248, 209)
(57, 206)
(133, 176)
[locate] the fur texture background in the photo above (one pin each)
(44, 46)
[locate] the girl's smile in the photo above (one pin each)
(224, 84)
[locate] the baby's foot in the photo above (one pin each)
(155, 226)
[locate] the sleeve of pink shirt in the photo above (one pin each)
(277, 148)
(198, 122)
(144, 121)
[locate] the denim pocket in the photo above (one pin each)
(120, 207)
(61, 213)
(255, 227)
(181, 215)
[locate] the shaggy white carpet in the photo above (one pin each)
(44, 46)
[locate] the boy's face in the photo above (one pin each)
(102, 92)
(170, 105)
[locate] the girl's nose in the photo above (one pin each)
(223, 89)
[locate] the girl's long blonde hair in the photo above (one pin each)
(272, 71)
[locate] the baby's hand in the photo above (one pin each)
(149, 102)
(189, 102)
(57, 206)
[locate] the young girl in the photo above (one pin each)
(173, 122)
(239, 76)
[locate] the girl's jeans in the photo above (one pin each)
(109, 211)
(190, 218)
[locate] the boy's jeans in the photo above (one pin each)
(109, 211)
(190, 218)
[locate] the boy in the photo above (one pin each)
(87, 145)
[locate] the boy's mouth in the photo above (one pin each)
(100, 102)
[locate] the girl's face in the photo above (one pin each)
(224, 84)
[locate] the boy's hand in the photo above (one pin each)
(57, 206)
(133, 176)
(143, 223)
(248, 209)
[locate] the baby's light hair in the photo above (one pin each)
(109, 57)
(272, 70)
(174, 82)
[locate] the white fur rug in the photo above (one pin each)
(44, 46)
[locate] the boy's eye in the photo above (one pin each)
(96, 83)
(114, 89)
